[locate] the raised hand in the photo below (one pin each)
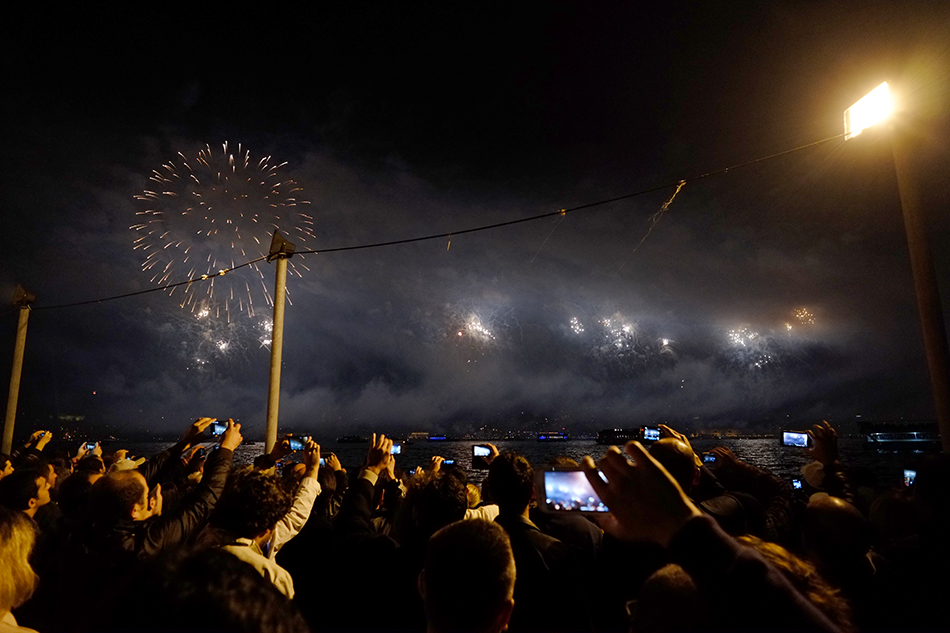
(824, 447)
(232, 437)
(646, 503)
(311, 458)
(378, 456)
(333, 462)
(195, 431)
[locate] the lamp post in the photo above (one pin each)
(873, 108)
(281, 250)
(21, 299)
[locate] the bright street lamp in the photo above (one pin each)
(876, 107)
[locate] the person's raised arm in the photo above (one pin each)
(646, 504)
(152, 469)
(307, 492)
(355, 516)
(181, 526)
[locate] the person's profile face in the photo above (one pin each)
(7, 469)
(42, 493)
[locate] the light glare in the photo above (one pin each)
(871, 109)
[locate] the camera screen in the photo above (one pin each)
(709, 458)
(795, 439)
(481, 451)
(296, 445)
(448, 462)
(323, 461)
(651, 433)
(217, 428)
(569, 491)
(90, 446)
(909, 476)
(797, 484)
(396, 449)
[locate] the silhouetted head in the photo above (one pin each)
(834, 531)
(436, 500)
(511, 481)
(468, 580)
(252, 503)
(210, 590)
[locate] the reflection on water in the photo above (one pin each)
(784, 461)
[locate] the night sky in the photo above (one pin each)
(400, 120)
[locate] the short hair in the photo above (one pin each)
(18, 579)
(469, 575)
(436, 499)
(677, 458)
(113, 497)
(91, 464)
(208, 590)
(17, 488)
(511, 481)
(74, 493)
(252, 503)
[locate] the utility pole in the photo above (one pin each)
(281, 250)
(925, 282)
(21, 299)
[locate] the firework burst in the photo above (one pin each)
(211, 212)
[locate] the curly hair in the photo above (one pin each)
(436, 499)
(805, 578)
(252, 503)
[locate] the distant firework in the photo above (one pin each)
(211, 212)
(804, 316)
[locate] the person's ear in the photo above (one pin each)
(504, 614)
(421, 584)
(32, 503)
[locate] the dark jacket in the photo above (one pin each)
(549, 590)
(107, 554)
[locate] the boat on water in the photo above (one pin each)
(553, 436)
(617, 436)
(352, 439)
(897, 437)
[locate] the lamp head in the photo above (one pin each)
(873, 108)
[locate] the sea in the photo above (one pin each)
(785, 461)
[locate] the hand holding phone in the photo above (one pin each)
(799, 439)
(568, 490)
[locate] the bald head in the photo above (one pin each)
(834, 529)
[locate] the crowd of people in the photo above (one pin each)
(187, 541)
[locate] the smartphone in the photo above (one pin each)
(299, 444)
(480, 455)
(567, 490)
(413, 471)
(909, 476)
(649, 433)
(217, 429)
(709, 458)
(448, 462)
(90, 446)
(323, 461)
(796, 438)
(396, 449)
(797, 484)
